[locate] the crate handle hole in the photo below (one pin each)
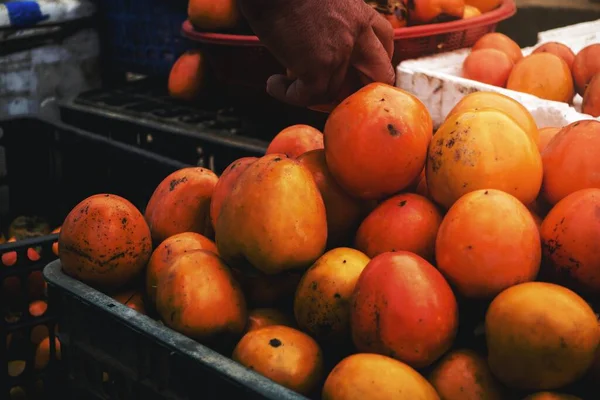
(111, 305)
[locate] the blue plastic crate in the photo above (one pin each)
(142, 36)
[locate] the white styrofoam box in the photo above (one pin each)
(436, 80)
(571, 31)
(33, 78)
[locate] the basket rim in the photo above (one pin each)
(507, 9)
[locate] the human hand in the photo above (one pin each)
(324, 44)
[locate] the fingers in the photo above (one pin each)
(296, 91)
(384, 31)
(303, 92)
(371, 59)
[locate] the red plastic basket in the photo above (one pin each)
(242, 60)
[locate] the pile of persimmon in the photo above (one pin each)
(362, 262)
(402, 13)
(225, 15)
(552, 71)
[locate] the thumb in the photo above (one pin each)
(297, 91)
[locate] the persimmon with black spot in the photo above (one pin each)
(285, 355)
(376, 141)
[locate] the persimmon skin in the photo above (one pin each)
(343, 211)
(500, 102)
(402, 307)
(388, 130)
(482, 149)
(431, 11)
(544, 75)
(569, 233)
(225, 185)
(181, 203)
(104, 242)
(381, 378)
(214, 15)
(296, 140)
(489, 66)
(463, 374)
(187, 78)
(407, 222)
(199, 298)
(285, 355)
(585, 66)
(540, 336)
(165, 253)
(487, 242)
(558, 49)
(571, 160)
(591, 97)
(499, 41)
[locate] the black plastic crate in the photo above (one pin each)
(221, 122)
(141, 36)
(45, 170)
(115, 352)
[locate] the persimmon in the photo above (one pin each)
(225, 184)
(407, 222)
(540, 336)
(499, 41)
(343, 211)
(104, 242)
(199, 298)
(471, 11)
(487, 242)
(376, 377)
(558, 49)
(544, 75)
(585, 66)
(181, 203)
(285, 355)
(546, 135)
(569, 234)
(482, 149)
(296, 140)
(376, 141)
(38, 308)
(403, 307)
(501, 102)
(188, 76)
(484, 5)
(42, 353)
(571, 160)
(322, 300)
(433, 11)
(214, 14)
(463, 374)
(165, 253)
(274, 220)
(591, 97)
(55, 244)
(489, 66)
